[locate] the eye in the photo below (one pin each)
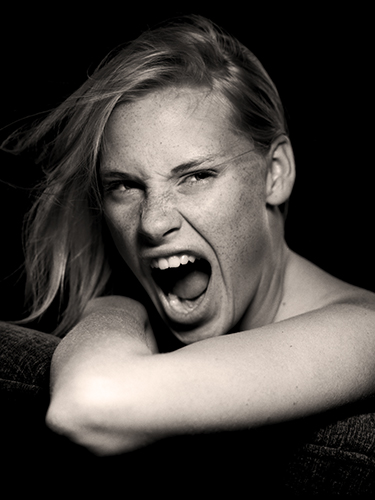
(119, 188)
(200, 177)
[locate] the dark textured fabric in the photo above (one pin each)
(27, 447)
(337, 458)
(25, 358)
(325, 455)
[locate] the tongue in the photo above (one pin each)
(191, 286)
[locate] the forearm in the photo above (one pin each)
(304, 365)
(249, 379)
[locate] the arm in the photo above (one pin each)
(113, 392)
(112, 333)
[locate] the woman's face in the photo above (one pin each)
(184, 199)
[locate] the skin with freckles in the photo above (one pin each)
(268, 336)
(177, 179)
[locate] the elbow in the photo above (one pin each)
(65, 421)
(84, 418)
(78, 428)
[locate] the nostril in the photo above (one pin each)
(158, 221)
(154, 236)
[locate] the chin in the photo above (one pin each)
(189, 335)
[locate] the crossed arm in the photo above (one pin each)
(113, 392)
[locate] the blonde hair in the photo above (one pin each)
(65, 253)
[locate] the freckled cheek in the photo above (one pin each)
(123, 232)
(239, 231)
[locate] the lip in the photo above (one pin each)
(148, 257)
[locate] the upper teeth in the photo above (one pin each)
(173, 261)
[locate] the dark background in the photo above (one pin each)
(321, 60)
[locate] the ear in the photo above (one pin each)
(281, 171)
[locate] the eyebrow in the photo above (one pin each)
(183, 167)
(180, 169)
(186, 166)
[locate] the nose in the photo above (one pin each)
(159, 218)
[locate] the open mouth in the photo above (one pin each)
(183, 280)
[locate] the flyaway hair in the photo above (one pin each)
(65, 251)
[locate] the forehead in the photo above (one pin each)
(170, 127)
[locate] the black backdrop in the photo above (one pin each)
(321, 61)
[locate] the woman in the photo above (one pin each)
(176, 150)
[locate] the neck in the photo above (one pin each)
(265, 305)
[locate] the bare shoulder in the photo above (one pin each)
(114, 302)
(308, 288)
